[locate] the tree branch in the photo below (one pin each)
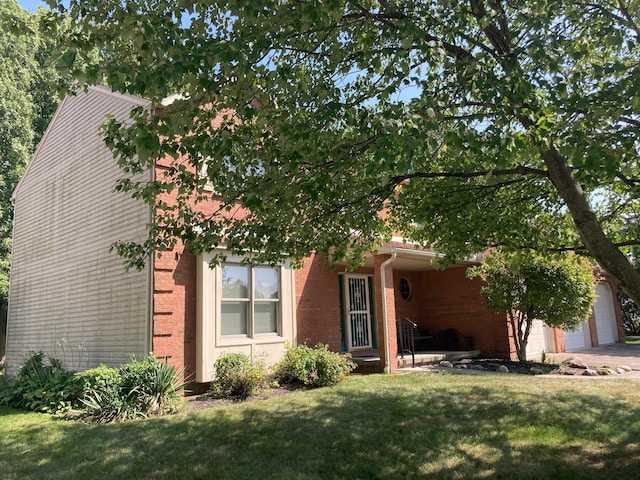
(521, 170)
(630, 182)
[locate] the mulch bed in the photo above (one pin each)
(201, 402)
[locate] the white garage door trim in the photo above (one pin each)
(604, 312)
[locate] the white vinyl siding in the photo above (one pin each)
(69, 295)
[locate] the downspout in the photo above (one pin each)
(150, 275)
(385, 319)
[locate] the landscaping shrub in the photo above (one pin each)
(101, 400)
(42, 385)
(160, 391)
(138, 389)
(101, 379)
(109, 406)
(235, 375)
(312, 367)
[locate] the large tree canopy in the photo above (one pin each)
(475, 123)
(27, 100)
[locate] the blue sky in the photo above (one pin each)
(31, 5)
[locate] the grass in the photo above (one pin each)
(411, 426)
(632, 341)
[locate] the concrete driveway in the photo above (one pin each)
(613, 355)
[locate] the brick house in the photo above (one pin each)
(71, 297)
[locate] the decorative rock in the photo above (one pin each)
(603, 371)
(446, 363)
(463, 365)
(536, 371)
(621, 371)
(590, 372)
(625, 368)
(575, 362)
(477, 367)
(503, 369)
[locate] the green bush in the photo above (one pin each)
(312, 367)
(138, 389)
(101, 379)
(42, 385)
(236, 376)
(160, 392)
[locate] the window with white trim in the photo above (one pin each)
(250, 302)
(242, 309)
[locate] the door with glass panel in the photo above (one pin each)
(358, 312)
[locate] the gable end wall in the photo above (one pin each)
(69, 296)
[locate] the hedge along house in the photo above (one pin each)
(71, 297)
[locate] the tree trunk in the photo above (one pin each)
(595, 240)
(520, 335)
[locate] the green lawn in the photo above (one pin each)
(368, 427)
(632, 341)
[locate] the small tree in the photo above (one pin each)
(558, 291)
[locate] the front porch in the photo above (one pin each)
(357, 312)
(413, 312)
(371, 363)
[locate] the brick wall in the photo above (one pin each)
(318, 303)
(174, 297)
(447, 299)
(411, 308)
(174, 309)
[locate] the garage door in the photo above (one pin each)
(537, 340)
(577, 339)
(605, 315)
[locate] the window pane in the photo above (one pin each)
(265, 319)
(235, 281)
(233, 319)
(266, 284)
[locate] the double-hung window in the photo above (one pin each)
(250, 301)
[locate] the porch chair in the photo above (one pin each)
(448, 339)
(409, 334)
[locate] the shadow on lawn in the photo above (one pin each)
(356, 431)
